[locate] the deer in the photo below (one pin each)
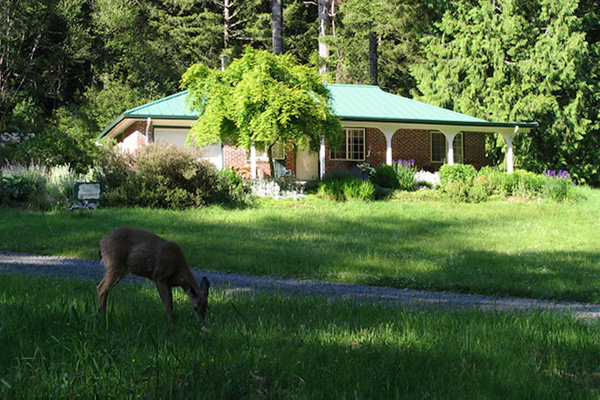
(127, 250)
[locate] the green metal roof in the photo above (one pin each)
(350, 102)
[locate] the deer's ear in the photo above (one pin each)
(204, 285)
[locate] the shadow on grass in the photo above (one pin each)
(275, 347)
(399, 249)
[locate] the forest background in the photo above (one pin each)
(69, 67)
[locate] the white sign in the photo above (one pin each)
(88, 191)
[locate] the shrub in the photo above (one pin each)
(405, 172)
(524, 184)
(166, 176)
(495, 180)
(386, 177)
(480, 190)
(401, 175)
(170, 176)
(36, 187)
(457, 172)
(558, 186)
(342, 186)
(456, 180)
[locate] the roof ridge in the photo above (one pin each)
(354, 85)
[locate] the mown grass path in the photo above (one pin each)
(235, 282)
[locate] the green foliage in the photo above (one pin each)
(342, 186)
(68, 140)
(463, 184)
(559, 187)
(167, 176)
(401, 175)
(524, 184)
(260, 98)
(521, 60)
(458, 172)
(398, 26)
(36, 187)
(386, 177)
(405, 171)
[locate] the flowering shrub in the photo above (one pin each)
(558, 185)
(428, 179)
(366, 169)
(275, 188)
(405, 171)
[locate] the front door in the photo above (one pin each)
(307, 165)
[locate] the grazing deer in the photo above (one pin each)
(127, 250)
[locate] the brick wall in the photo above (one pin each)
(412, 144)
(377, 144)
(474, 151)
(290, 161)
(237, 157)
(133, 138)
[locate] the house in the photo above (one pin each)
(379, 127)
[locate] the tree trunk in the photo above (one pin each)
(271, 163)
(277, 25)
(373, 57)
(324, 26)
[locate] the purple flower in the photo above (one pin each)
(561, 174)
(405, 163)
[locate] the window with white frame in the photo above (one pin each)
(352, 147)
(439, 147)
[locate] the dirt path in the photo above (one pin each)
(91, 269)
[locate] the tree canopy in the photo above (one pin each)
(520, 60)
(260, 99)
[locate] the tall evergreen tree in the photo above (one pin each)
(519, 60)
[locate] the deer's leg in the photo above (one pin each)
(166, 295)
(108, 282)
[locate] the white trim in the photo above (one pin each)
(252, 161)
(322, 157)
(395, 126)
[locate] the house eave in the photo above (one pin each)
(483, 124)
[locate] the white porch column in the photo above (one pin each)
(508, 136)
(148, 123)
(388, 152)
(322, 157)
(252, 161)
(450, 134)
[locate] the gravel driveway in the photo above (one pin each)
(94, 270)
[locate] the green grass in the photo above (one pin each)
(545, 250)
(53, 345)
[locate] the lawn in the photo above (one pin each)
(530, 249)
(53, 345)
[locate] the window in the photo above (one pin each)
(352, 147)
(262, 155)
(439, 148)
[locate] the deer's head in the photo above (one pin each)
(200, 300)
